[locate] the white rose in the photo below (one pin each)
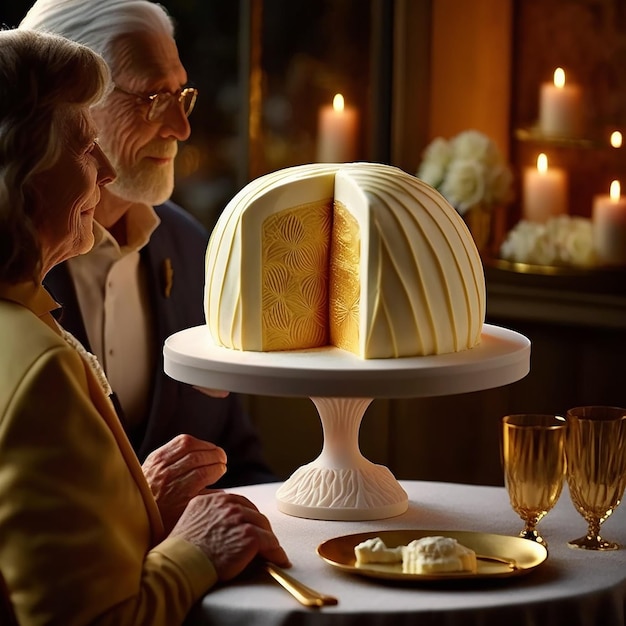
(472, 144)
(464, 185)
(556, 230)
(432, 173)
(438, 151)
(544, 251)
(435, 161)
(574, 238)
(520, 241)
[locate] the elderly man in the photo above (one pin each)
(144, 279)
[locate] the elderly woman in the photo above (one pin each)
(81, 537)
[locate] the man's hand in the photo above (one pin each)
(180, 470)
(213, 393)
(231, 531)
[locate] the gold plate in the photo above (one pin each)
(497, 556)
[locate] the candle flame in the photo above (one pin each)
(542, 163)
(338, 102)
(559, 78)
(615, 191)
(616, 139)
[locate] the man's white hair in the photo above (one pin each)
(98, 23)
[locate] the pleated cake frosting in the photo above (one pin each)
(362, 256)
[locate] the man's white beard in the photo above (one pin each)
(144, 183)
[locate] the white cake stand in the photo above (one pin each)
(341, 484)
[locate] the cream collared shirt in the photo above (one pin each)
(112, 290)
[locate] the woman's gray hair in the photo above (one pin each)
(42, 76)
(98, 23)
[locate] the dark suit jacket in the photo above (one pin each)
(177, 407)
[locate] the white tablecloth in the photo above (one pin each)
(572, 588)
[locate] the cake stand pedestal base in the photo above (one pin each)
(341, 484)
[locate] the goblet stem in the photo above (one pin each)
(530, 532)
(592, 540)
(594, 528)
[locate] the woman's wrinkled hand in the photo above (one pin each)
(180, 470)
(231, 532)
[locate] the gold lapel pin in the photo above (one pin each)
(167, 277)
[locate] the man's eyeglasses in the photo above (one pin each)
(159, 103)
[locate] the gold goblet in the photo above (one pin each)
(533, 456)
(596, 468)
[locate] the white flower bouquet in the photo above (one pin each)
(468, 170)
(563, 240)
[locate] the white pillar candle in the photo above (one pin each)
(337, 132)
(560, 107)
(545, 191)
(609, 227)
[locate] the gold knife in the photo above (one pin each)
(303, 594)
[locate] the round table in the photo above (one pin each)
(571, 588)
(341, 484)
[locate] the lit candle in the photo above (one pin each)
(609, 227)
(545, 191)
(616, 139)
(337, 132)
(560, 107)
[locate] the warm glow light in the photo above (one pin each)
(542, 163)
(188, 160)
(616, 139)
(615, 191)
(338, 102)
(559, 78)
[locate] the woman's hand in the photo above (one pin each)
(180, 470)
(231, 531)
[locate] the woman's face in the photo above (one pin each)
(67, 193)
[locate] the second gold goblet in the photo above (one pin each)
(533, 457)
(596, 468)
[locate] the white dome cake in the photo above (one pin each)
(361, 256)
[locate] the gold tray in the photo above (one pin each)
(550, 270)
(498, 556)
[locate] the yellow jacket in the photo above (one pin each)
(81, 538)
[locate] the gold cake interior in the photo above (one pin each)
(310, 278)
(345, 286)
